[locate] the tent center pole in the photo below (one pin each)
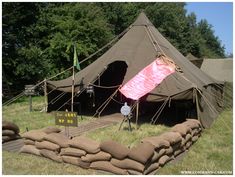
(197, 104)
(137, 114)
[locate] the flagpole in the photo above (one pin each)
(75, 64)
(72, 101)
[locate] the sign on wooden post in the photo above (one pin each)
(66, 118)
(30, 91)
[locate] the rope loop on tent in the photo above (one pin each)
(169, 61)
(161, 54)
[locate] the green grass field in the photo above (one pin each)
(211, 153)
(18, 113)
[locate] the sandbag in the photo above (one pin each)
(72, 152)
(30, 149)
(58, 138)
(142, 153)
(75, 161)
(100, 156)
(192, 123)
(194, 138)
(35, 135)
(172, 137)
(194, 120)
(128, 164)
(169, 151)
(29, 142)
(86, 144)
(107, 166)
(8, 132)
(158, 154)
(133, 172)
(195, 132)
(50, 129)
(188, 144)
(182, 129)
(163, 160)
(9, 138)
(6, 125)
(47, 145)
(157, 142)
(188, 137)
(151, 168)
(177, 152)
(115, 149)
(51, 155)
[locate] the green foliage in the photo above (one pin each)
(16, 18)
(60, 26)
(213, 45)
(38, 38)
(120, 15)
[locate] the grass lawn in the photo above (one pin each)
(212, 152)
(18, 113)
(129, 139)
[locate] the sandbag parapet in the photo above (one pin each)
(145, 158)
(10, 131)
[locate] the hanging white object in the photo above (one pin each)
(125, 110)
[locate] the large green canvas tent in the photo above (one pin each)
(136, 49)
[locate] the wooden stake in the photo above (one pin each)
(45, 94)
(137, 114)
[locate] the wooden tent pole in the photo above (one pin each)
(72, 100)
(137, 113)
(45, 93)
(197, 104)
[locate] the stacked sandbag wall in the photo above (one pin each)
(147, 157)
(172, 143)
(45, 142)
(10, 131)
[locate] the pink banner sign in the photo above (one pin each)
(147, 79)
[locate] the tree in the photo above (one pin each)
(119, 15)
(16, 17)
(47, 45)
(213, 47)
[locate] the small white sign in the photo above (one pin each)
(125, 110)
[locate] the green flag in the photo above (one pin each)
(75, 59)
